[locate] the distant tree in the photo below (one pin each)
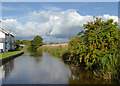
(16, 43)
(36, 42)
(25, 42)
(21, 42)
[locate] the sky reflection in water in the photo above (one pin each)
(41, 68)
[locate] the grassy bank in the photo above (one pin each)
(8, 54)
(54, 49)
(96, 48)
(63, 52)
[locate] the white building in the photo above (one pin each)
(6, 41)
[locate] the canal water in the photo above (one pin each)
(41, 68)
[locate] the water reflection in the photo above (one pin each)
(81, 76)
(49, 70)
(6, 69)
(36, 55)
(41, 68)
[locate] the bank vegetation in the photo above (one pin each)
(96, 48)
(54, 49)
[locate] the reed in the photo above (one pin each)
(54, 50)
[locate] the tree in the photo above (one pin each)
(16, 43)
(25, 42)
(36, 42)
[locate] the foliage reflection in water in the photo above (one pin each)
(37, 56)
(41, 68)
(81, 76)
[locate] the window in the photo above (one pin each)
(2, 40)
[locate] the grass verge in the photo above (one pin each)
(8, 54)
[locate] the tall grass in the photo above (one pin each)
(57, 51)
(109, 67)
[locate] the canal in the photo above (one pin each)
(41, 68)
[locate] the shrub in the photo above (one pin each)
(97, 46)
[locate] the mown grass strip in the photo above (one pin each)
(8, 54)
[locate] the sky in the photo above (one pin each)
(53, 21)
(60, 0)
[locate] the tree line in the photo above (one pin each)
(32, 44)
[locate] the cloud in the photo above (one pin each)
(106, 17)
(51, 25)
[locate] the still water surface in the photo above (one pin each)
(41, 68)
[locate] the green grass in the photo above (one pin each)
(8, 54)
(57, 51)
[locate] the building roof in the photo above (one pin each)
(2, 30)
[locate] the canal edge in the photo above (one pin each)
(5, 60)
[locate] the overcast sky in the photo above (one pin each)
(54, 21)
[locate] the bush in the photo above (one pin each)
(97, 46)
